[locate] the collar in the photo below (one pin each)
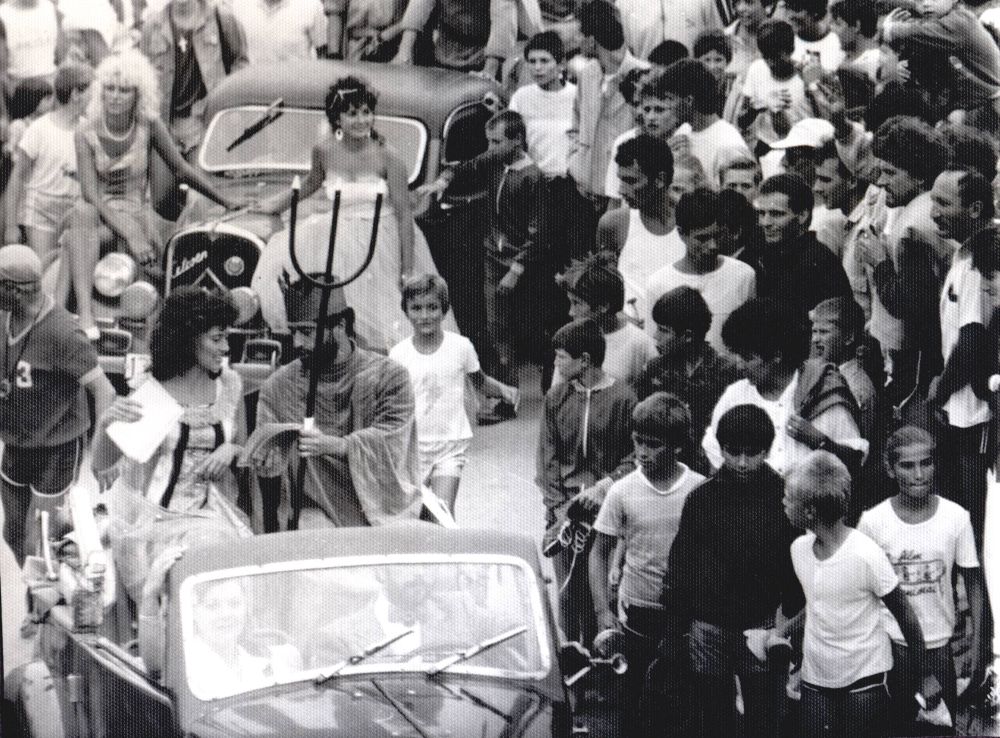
(675, 487)
(606, 381)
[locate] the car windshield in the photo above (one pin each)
(285, 143)
(244, 629)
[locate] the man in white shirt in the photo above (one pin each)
(32, 28)
(648, 23)
(282, 30)
(813, 37)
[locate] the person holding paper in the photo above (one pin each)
(49, 367)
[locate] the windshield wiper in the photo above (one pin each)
(359, 657)
(457, 658)
(274, 111)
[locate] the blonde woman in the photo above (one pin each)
(114, 144)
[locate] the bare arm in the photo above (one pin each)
(282, 201)
(181, 168)
(399, 196)
(598, 562)
(908, 623)
(976, 590)
(19, 174)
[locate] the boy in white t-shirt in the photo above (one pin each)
(846, 578)
(925, 537)
(439, 363)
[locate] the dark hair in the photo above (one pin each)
(690, 78)
(775, 38)
(599, 20)
(513, 125)
(913, 146)
(188, 313)
(766, 328)
(745, 428)
(548, 41)
(683, 309)
(666, 417)
(71, 77)
(27, 96)
(907, 435)
(828, 150)
(426, 284)
(698, 209)
(713, 39)
(861, 13)
(599, 285)
(971, 148)
(737, 214)
(895, 99)
(973, 187)
(653, 155)
(579, 337)
(815, 8)
(800, 195)
(667, 52)
(631, 84)
(985, 248)
(347, 93)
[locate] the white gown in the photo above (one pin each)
(375, 296)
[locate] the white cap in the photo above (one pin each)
(811, 132)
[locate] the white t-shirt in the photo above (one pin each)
(923, 556)
(758, 86)
(828, 49)
(31, 39)
(53, 155)
(548, 116)
(964, 301)
(287, 30)
(715, 147)
(844, 636)
(725, 288)
(439, 386)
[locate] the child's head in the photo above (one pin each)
(806, 16)
(544, 55)
(690, 84)
(72, 78)
(768, 335)
(579, 345)
(909, 459)
(425, 300)
(743, 175)
(600, 23)
(661, 432)
(504, 128)
(697, 218)
(595, 289)
(936, 8)
(682, 320)
(737, 222)
(745, 434)
(667, 52)
(751, 13)
(32, 96)
(689, 175)
(712, 48)
(661, 110)
(837, 325)
(776, 41)
(853, 18)
(817, 491)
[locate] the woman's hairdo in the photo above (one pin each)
(347, 93)
(188, 313)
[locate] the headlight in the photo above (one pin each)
(247, 304)
(114, 273)
(138, 301)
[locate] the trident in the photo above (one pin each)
(326, 285)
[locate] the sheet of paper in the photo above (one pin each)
(160, 411)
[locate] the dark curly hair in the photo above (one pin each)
(188, 313)
(347, 93)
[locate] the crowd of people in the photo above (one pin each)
(750, 243)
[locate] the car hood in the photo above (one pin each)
(403, 706)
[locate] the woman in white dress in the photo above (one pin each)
(354, 159)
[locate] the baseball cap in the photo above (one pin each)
(19, 264)
(811, 132)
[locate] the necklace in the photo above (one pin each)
(121, 138)
(9, 372)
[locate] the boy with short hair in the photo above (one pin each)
(439, 363)
(926, 537)
(846, 578)
(644, 510)
(584, 445)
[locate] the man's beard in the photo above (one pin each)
(328, 355)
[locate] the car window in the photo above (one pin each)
(286, 143)
(244, 630)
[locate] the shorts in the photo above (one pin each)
(45, 212)
(50, 470)
(443, 458)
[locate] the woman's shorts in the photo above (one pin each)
(443, 458)
(45, 212)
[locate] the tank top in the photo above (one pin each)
(123, 179)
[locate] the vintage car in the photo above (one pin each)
(262, 124)
(406, 630)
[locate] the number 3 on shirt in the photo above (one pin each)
(23, 375)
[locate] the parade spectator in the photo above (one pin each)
(687, 366)
(808, 401)
(846, 578)
(742, 34)
(724, 282)
(644, 510)
(193, 45)
(440, 363)
(667, 52)
(114, 145)
(33, 38)
(729, 571)
(814, 39)
(43, 186)
(596, 290)
(91, 29)
(466, 35)
(856, 24)
(739, 233)
(793, 266)
(647, 24)
(584, 446)
(363, 30)
(838, 192)
(927, 539)
(361, 460)
(515, 279)
(742, 175)
(963, 210)
(636, 232)
(712, 48)
(282, 30)
(50, 368)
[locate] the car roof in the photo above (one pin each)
(426, 93)
(413, 537)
